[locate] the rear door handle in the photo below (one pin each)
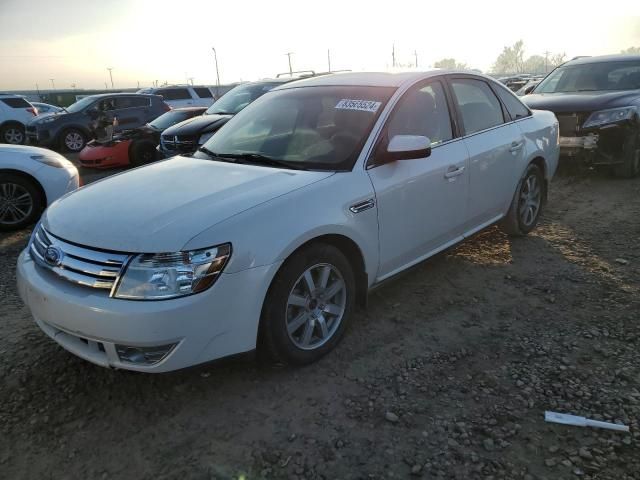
(515, 146)
(454, 171)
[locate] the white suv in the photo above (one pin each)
(177, 96)
(15, 113)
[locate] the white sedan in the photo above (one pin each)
(30, 179)
(272, 233)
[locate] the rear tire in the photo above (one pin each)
(73, 140)
(20, 202)
(308, 306)
(630, 166)
(142, 153)
(527, 203)
(13, 134)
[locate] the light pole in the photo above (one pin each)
(288, 54)
(215, 57)
(415, 54)
(53, 85)
(110, 76)
(329, 59)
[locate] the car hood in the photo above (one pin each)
(196, 125)
(160, 207)
(580, 101)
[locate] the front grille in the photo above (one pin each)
(80, 265)
(570, 123)
(178, 143)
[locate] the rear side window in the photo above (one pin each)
(16, 102)
(203, 92)
(132, 102)
(175, 94)
(478, 105)
(514, 106)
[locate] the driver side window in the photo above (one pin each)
(422, 111)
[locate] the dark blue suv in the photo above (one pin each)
(72, 128)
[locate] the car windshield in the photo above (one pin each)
(80, 104)
(239, 97)
(321, 128)
(592, 77)
(170, 118)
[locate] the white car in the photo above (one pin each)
(274, 231)
(30, 179)
(178, 96)
(15, 113)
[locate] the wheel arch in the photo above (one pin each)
(31, 178)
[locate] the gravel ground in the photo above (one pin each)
(447, 374)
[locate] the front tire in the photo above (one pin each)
(73, 140)
(20, 202)
(526, 206)
(13, 134)
(308, 306)
(630, 166)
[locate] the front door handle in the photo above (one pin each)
(515, 146)
(454, 171)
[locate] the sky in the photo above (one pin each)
(74, 41)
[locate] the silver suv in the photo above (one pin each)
(15, 113)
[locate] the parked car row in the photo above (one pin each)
(273, 231)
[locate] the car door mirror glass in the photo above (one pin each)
(408, 147)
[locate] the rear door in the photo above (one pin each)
(421, 203)
(132, 112)
(495, 147)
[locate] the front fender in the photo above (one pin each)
(272, 231)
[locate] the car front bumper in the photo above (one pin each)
(219, 322)
(599, 145)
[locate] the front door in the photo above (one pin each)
(422, 202)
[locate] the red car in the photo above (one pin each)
(134, 147)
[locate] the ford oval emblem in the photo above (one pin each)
(53, 256)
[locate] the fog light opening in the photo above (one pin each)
(143, 355)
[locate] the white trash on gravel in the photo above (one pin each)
(577, 421)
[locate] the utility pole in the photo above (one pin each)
(415, 54)
(215, 57)
(105, 86)
(53, 85)
(288, 54)
(546, 61)
(110, 76)
(138, 84)
(329, 59)
(393, 55)
(38, 89)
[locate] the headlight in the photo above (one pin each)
(612, 115)
(168, 275)
(52, 160)
(47, 119)
(204, 137)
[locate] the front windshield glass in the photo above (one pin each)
(239, 97)
(168, 119)
(592, 77)
(320, 128)
(80, 104)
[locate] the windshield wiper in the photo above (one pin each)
(259, 159)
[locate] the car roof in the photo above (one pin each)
(121, 94)
(370, 79)
(603, 59)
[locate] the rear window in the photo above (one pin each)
(16, 102)
(132, 102)
(514, 106)
(203, 92)
(175, 94)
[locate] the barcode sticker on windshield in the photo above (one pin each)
(362, 105)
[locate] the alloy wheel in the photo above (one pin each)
(16, 203)
(73, 141)
(315, 306)
(14, 136)
(530, 200)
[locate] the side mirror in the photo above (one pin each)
(408, 147)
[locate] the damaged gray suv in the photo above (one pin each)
(597, 102)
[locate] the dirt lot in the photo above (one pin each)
(446, 375)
